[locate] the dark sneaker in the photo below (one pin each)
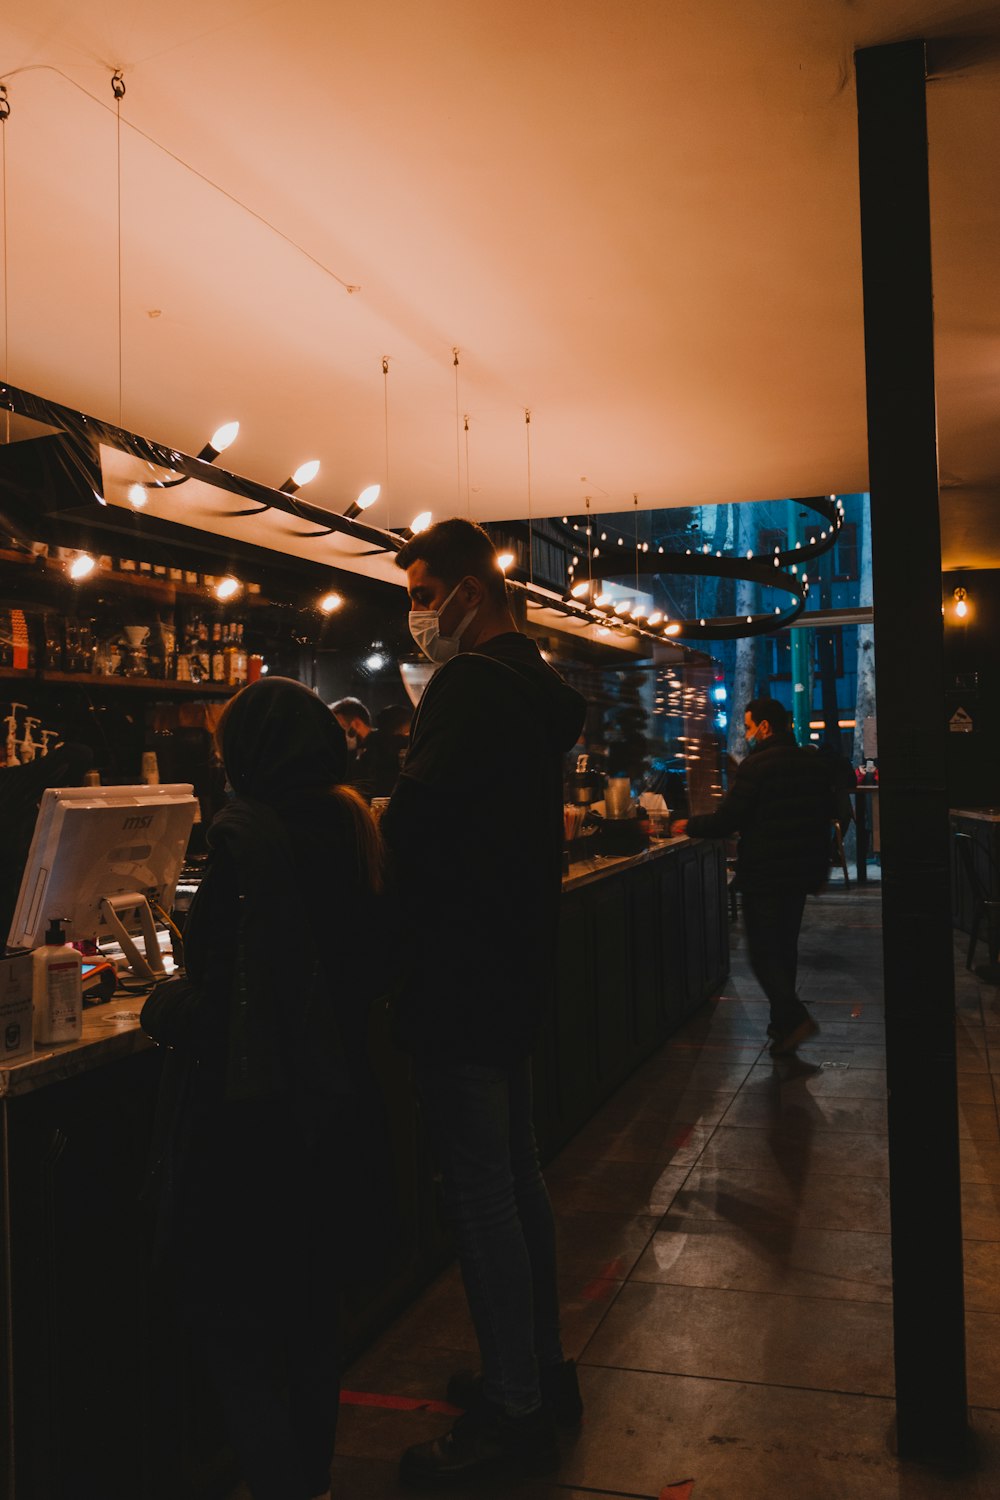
(560, 1392)
(484, 1440)
(785, 1046)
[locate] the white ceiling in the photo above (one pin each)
(639, 221)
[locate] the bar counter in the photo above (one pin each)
(104, 1402)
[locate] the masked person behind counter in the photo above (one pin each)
(265, 1106)
(474, 831)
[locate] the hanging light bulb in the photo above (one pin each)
(961, 603)
(673, 629)
(505, 560)
(330, 603)
(367, 497)
(579, 589)
(602, 599)
(655, 617)
(222, 438)
(420, 523)
(304, 474)
(138, 495)
(82, 566)
(625, 607)
(227, 588)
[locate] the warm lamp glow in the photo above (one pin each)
(330, 603)
(674, 629)
(227, 588)
(223, 437)
(305, 473)
(368, 496)
(655, 617)
(579, 589)
(82, 566)
(961, 604)
(505, 560)
(138, 495)
(420, 523)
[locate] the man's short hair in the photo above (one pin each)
(395, 719)
(457, 549)
(769, 709)
(351, 708)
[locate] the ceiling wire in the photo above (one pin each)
(458, 439)
(385, 402)
(635, 499)
(348, 286)
(531, 543)
(468, 482)
(118, 89)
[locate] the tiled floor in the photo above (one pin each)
(725, 1261)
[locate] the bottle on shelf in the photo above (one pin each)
(218, 658)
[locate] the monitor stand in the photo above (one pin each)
(150, 965)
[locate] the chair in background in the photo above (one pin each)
(984, 903)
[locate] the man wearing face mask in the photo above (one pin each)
(356, 722)
(781, 803)
(474, 831)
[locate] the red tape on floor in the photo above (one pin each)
(682, 1490)
(397, 1403)
(604, 1282)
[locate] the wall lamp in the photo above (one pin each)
(961, 604)
(417, 525)
(304, 474)
(367, 497)
(330, 603)
(222, 438)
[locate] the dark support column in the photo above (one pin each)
(928, 1303)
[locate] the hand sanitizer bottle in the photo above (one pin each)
(56, 988)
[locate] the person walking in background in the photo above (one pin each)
(781, 803)
(266, 1094)
(474, 831)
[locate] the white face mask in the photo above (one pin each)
(425, 628)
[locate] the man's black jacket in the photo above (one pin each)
(475, 832)
(781, 803)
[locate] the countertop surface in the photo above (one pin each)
(586, 871)
(981, 814)
(110, 1031)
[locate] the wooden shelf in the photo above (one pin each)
(143, 684)
(151, 586)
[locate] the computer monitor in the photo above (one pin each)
(99, 856)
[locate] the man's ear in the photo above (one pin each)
(473, 590)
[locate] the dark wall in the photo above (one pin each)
(972, 683)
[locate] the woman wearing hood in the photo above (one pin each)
(264, 1080)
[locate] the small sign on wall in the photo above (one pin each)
(960, 722)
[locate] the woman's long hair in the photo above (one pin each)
(280, 744)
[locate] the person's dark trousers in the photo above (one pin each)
(479, 1120)
(772, 922)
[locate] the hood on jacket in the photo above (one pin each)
(279, 740)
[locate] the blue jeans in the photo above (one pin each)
(479, 1120)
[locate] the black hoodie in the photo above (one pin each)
(475, 832)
